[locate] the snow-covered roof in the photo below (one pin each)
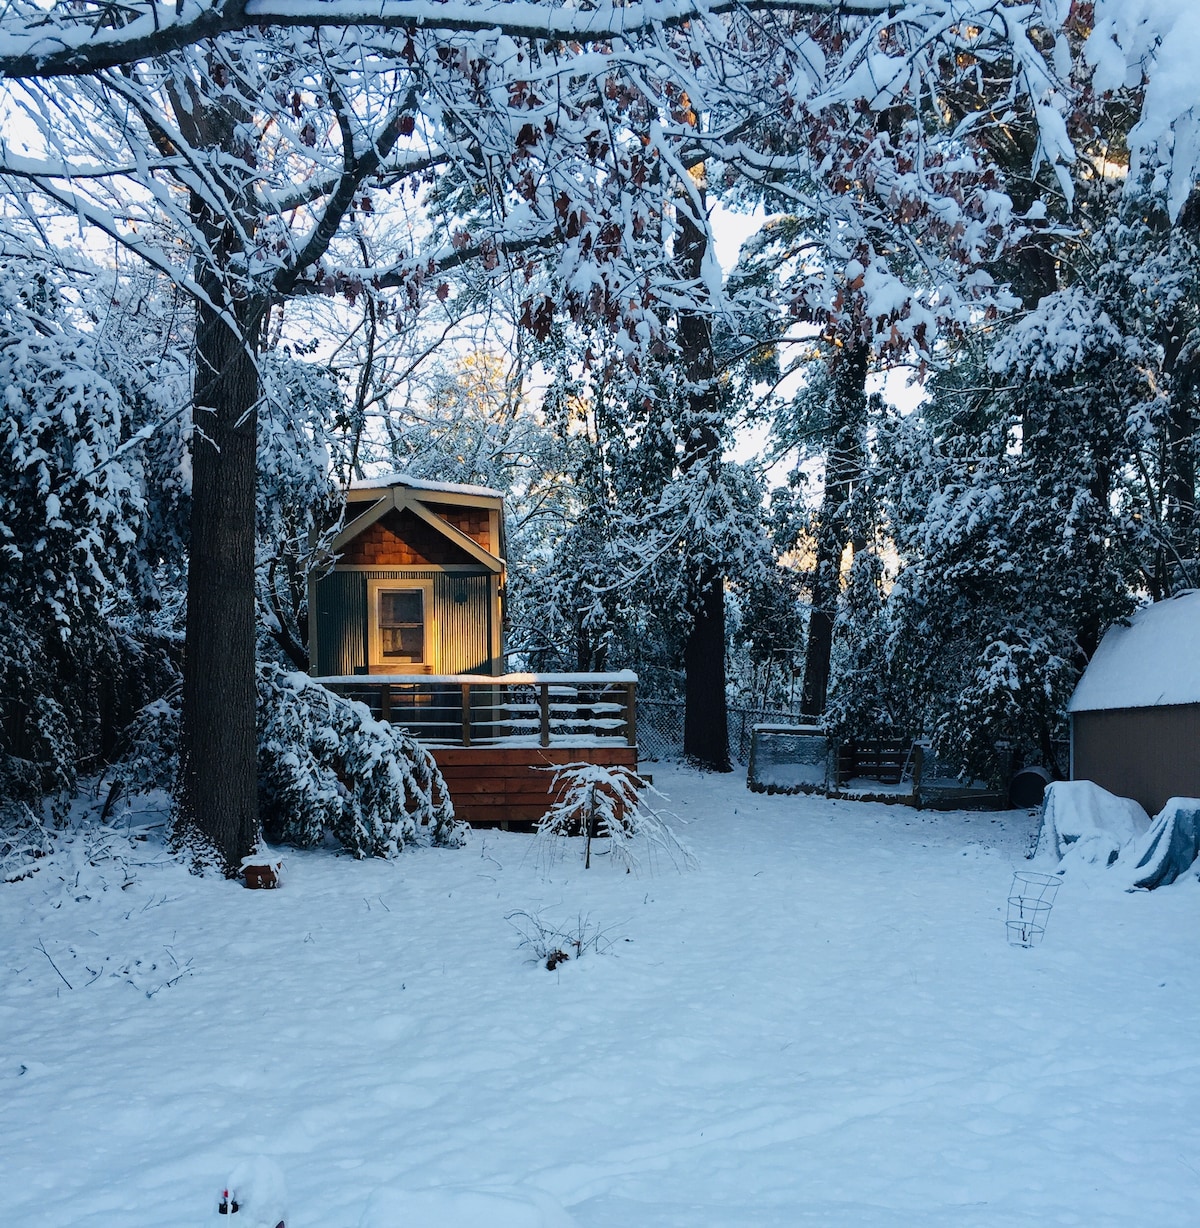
(406, 479)
(1153, 661)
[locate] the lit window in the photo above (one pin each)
(402, 625)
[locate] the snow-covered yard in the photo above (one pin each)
(821, 1024)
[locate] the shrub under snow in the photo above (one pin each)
(326, 767)
(607, 802)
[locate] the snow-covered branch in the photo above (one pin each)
(34, 43)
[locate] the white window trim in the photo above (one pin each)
(376, 663)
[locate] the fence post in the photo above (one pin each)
(466, 714)
(385, 702)
(631, 713)
(544, 706)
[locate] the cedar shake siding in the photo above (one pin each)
(402, 539)
(475, 522)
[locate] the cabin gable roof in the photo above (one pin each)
(422, 522)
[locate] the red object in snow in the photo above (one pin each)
(261, 876)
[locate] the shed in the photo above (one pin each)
(1135, 715)
(418, 584)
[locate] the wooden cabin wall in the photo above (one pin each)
(464, 629)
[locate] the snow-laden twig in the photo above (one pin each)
(41, 946)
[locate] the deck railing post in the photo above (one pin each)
(385, 702)
(631, 713)
(466, 714)
(544, 708)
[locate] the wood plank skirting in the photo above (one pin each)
(510, 787)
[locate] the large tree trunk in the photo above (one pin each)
(217, 803)
(705, 720)
(843, 468)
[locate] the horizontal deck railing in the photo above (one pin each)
(509, 710)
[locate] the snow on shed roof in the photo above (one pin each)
(406, 479)
(1153, 661)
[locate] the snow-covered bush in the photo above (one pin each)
(326, 767)
(553, 943)
(607, 802)
(24, 842)
(149, 751)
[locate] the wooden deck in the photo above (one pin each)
(497, 740)
(511, 787)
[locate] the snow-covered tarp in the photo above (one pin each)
(1086, 824)
(1154, 660)
(1171, 846)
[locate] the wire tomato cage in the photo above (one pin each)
(1030, 899)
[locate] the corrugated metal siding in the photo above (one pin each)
(341, 622)
(464, 630)
(1149, 754)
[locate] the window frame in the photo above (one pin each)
(377, 664)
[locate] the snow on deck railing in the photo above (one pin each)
(577, 710)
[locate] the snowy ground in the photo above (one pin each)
(822, 1024)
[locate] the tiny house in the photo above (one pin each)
(1135, 715)
(418, 585)
(410, 622)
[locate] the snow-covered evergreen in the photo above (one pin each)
(326, 767)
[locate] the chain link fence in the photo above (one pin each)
(660, 728)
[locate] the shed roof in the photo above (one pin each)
(1154, 661)
(387, 480)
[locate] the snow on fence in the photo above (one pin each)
(577, 710)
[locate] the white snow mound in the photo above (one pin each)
(256, 1184)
